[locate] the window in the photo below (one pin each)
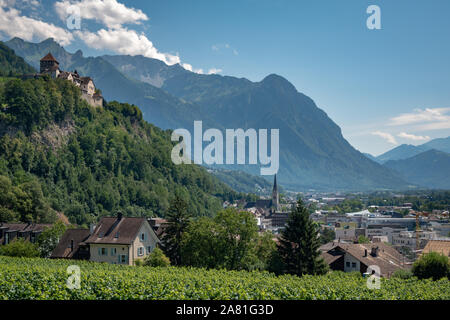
(117, 235)
(103, 252)
(122, 258)
(347, 264)
(149, 249)
(140, 251)
(353, 264)
(142, 236)
(113, 251)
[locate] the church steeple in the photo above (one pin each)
(275, 195)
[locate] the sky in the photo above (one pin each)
(383, 87)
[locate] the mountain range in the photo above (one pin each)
(406, 151)
(430, 169)
(313, 152)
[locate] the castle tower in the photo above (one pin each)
(48, 64)
(275, 195)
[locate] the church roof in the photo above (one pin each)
(49, 57)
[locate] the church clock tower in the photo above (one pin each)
(275, 195)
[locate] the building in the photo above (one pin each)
(115, 240)
(272, 204)
(72, 245)
(349, 234)
(358, 257)
(50, 66)
(439, 246)
(27, 231)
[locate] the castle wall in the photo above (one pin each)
(96, 102)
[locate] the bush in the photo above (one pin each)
(20, 248)
(402, 274)
(157, 259)
(431, 265)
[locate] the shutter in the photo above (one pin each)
(99, 251)
(118, 258)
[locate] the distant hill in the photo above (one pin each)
(313, 152)
(403, 151)
(406, 151)
(11, 64)
(152, 71)
(371, 157)
(441, 144)
(429, 169)
(243, 182)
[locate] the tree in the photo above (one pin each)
(266, 250)
(201, 245)
(238, 233)
(20, 248)
(299, 244)
(178, 219)
(230, 241)
(157, 258)
(363, 239)
(431, 265)
(49, 238)
(327, 235)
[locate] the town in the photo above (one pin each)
(391, 237)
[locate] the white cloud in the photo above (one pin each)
(419, 116)
(214, 71)
(13, 24)
(386, 136)
(125, 41)
(226, 46)
(108, 12)
(412, 136)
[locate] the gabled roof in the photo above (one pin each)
(388, 259)
(63, 249)
(24, 227)
(111, 230)
(49, 57)
(439, 246)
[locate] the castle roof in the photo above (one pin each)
(49, 57)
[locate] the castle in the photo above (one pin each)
(49, 65)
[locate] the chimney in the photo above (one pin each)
(374, 252)
(119, 215)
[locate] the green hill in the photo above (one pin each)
(57, 153)
(244, 182)
(11, 64)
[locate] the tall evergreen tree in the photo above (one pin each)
(299, 244)
(178, 219)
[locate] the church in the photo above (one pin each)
(272, 204)
(272, 218)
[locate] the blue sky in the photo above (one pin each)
(382, 87)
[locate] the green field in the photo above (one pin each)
(35, 278)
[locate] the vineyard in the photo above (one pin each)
(35, 278)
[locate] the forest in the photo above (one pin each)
(59, 154)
